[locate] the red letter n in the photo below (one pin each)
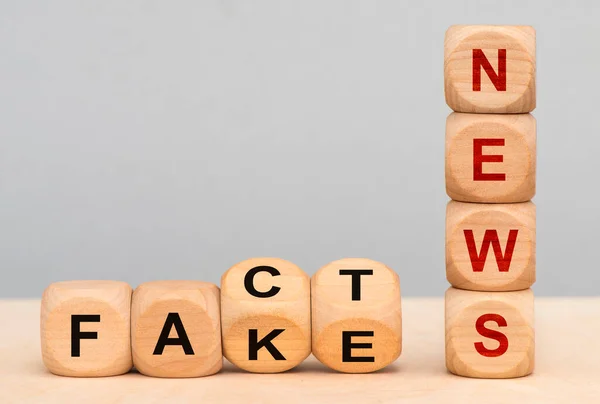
(479, 158)
(493, 334)
(491, 237)
(479, 61)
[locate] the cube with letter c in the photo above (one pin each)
(265, 315)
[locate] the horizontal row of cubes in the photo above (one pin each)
(267, 317)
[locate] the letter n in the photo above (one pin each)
(497, 79)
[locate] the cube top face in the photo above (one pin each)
(340, 276)
(257, 279)
(176, 329)
(490, 334)
(490, 158)
(265, 311)
(356, 315)
(490, 247)
(85, 328)
(490, 69)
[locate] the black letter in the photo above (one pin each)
(347, 346)
(182, 339)
(77, 335)
(254, 345)
(356, 273)
(249, 278)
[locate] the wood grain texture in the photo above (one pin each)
(109, 353)
(471, 176)
(473, 262)
(519, 95)
(336, 309)
(567, 368)
(286, 312)
(196, 307)
(480, 353)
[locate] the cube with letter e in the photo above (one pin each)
(490, 158)
(356, 315)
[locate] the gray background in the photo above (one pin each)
(145, 140)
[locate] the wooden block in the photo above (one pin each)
(490, 247)
(356, 315)
(85, 328)
(489, 334)
(265, 310)
(490, 158)
(176, 329)
(490, 69)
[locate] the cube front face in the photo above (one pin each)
(489, 335)
(356, 315)
(490, 247)
(490, 158)
(490, 69)
(175, 329)
(85, 328)
(265, 311)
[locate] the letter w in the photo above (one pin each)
(491, 237)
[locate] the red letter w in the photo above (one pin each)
(491, 237)
(479, 61)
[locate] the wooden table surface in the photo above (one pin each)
(567, 368)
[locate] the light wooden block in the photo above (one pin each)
(490, 69)
(176, 329)
(490, 334)
(356, 315)
(85, 328)
(490, 247)
(265, 310)
(490, 158)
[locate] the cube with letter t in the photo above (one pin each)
(356, 315)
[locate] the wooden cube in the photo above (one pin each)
(490, 247)
(490, 69)
(176, 329)
(356, 315)
(489, 334)
(265, 310)
(85, 328)
(490, 158)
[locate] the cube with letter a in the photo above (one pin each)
(489, 334)
(176, 329)
(356, 315)
(265, 315)
(490, 158)
(490, 69)
(490, 247)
